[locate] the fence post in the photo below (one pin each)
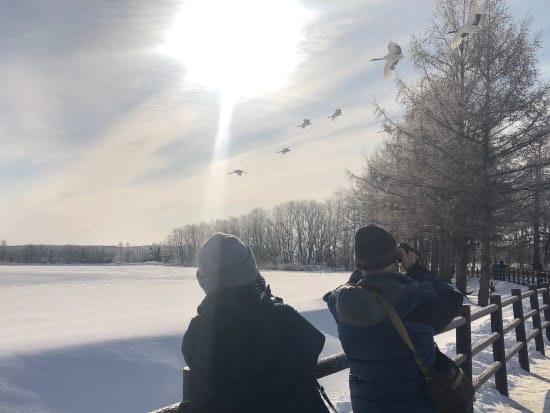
(186, 385)
(464, 340)
(499, 354)
(546, 300)
(539, 341)
(523, 354)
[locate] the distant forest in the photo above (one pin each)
(78, 254)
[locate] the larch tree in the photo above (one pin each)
(461, 153)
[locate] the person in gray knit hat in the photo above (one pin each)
(224, 261)
(247, 350)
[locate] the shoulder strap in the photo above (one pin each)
(399, 327)
(328, 403)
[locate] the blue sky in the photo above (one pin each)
(106, 137)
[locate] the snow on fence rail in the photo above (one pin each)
(465, 349)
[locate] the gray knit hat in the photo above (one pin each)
(224, 261)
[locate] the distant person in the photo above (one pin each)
(501, 270)
(384, 377)
(537, 269)
(247, 351)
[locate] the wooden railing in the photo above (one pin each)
(523, 277)
(515, 275)
(465, 349)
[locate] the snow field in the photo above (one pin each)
(89, 339)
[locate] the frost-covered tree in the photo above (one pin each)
(460, 154)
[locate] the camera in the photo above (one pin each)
(407, 248)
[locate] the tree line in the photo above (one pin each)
(294, 234)
(78, 254)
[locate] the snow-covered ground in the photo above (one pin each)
(88, 339)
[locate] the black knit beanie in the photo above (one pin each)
(375, 248)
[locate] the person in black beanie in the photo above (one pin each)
(384, 376)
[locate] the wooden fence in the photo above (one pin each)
(465, 349)
(515, 275)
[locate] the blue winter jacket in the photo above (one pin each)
(384, 376)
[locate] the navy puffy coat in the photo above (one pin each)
(384, 376)
(252, 354)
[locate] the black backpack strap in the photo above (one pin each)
(329, 404)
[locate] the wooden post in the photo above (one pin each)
(546, 300)
(499, 354)
(464, 340)
(539, 341)
(186, 385)
(523, 354)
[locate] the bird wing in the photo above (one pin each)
(475, 13)
(394, 48)
(476, 20)
(457, 39)
(390, 65)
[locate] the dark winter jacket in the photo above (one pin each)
(384, 376)
(251, 353)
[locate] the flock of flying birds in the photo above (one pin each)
(392, 58)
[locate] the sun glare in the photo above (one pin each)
(239, 47)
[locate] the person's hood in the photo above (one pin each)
(357, 305)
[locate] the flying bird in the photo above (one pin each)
(304, 124)
(283, 151)
(471, 26)
(239, 172)
(392, 58)
(337, 112)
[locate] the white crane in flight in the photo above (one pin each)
(239, 172)
(471, 26)
(337, 112)
(304, 124)
(392, 58)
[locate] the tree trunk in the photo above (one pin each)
(483, 295)
(536, 212)
(461, 263)
(444, 261)
(435, 255)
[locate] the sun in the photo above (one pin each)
(239, 47)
